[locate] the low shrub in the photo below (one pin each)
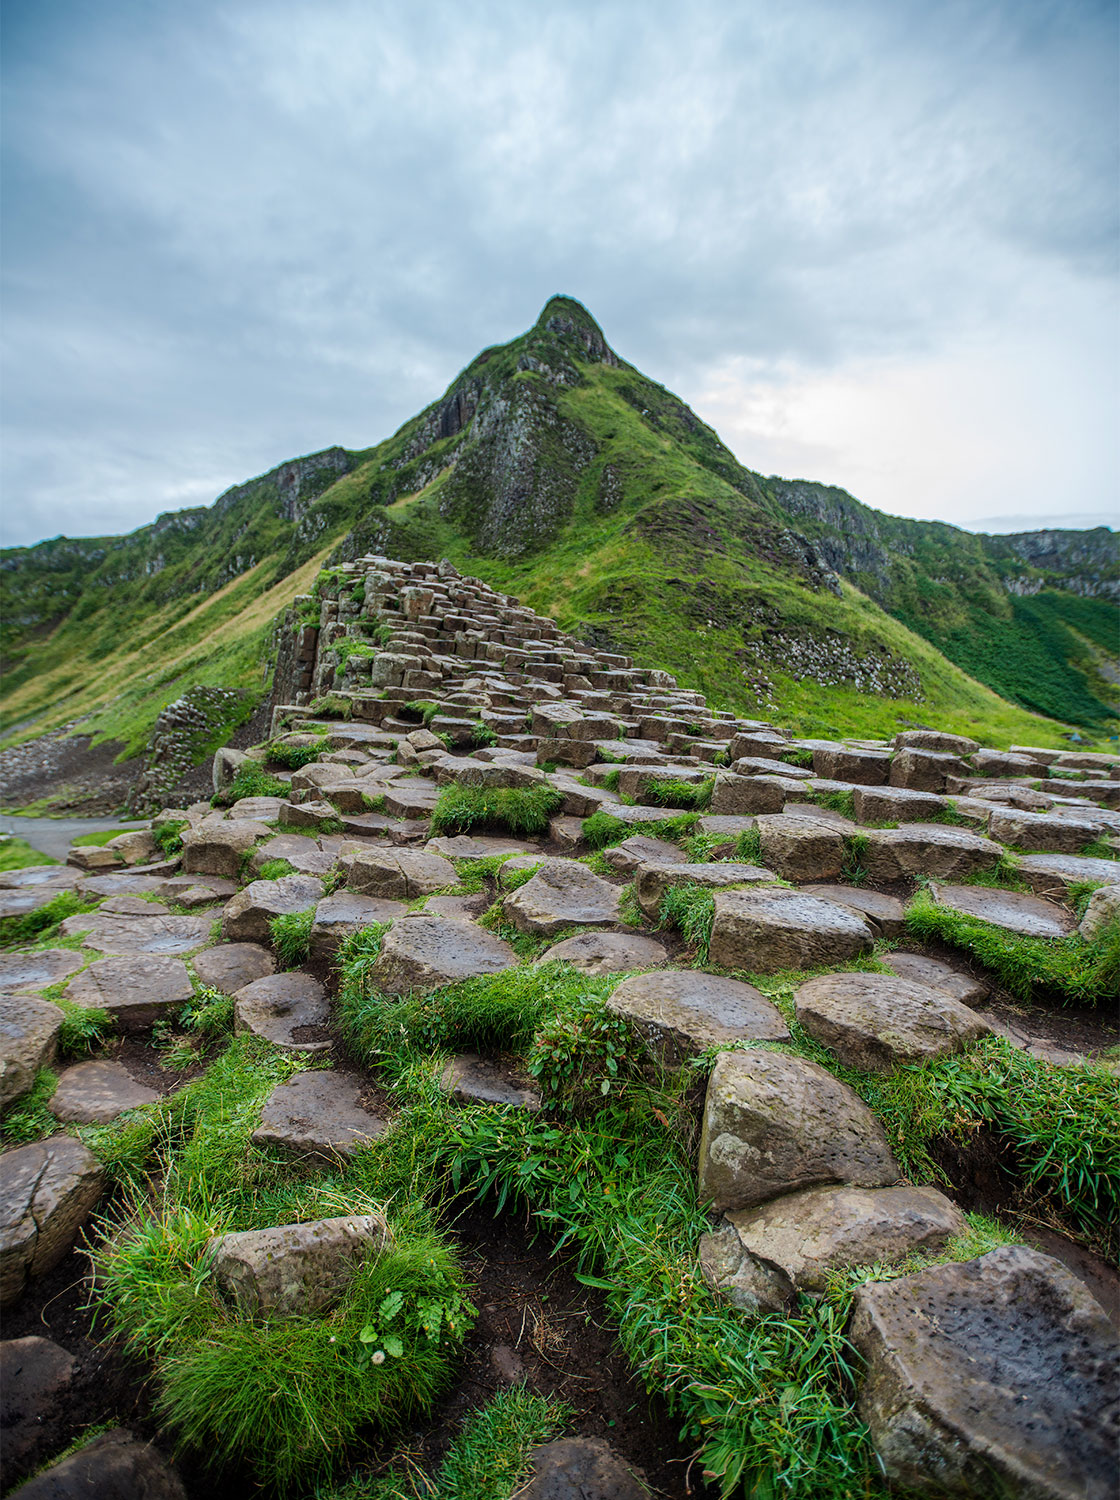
(83, 1028)
(525, 811)
(582, 1053)
(169, 837)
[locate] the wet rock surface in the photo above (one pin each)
(680, 1012)
(47, 1192)
(289, 1010)
(29, 1030)
(423, 952)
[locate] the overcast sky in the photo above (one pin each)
(873, 242)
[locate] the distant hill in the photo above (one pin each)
(556, 471)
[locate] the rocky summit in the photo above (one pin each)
(606, 866)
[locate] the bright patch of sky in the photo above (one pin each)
(872, 244)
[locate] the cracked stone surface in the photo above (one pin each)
(680, 1012)
(422, 952)
(28, 1041)
(136, 991)
(92, 1093)
(878, 1022)
(47, 1192)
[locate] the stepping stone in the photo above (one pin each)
(925, 770)
(936, 740)
(398, 874)
(196, 896)
(290, 1010)
(886, 912)
(111, 933)
(217, 848)
(133, 906)
(29, 1030)
(317, 1113)
(581, 1468)
(34, 971)
(1027, 830)
(476, 1080)
(883, 804)
(136, 991)
(801, 848)
(679, 1013)
(775, 1124)
(37, 875)
(563, 893)
(131, 884)
(770, 928)
(842, 763)
(35, 1375)
(257, 809)
(248, 917)
(474, 846)
(229, 967)
(1103, 909)
(819, 814)
(302, 853)
(1013, 910)
(639, 849)
(607, 952)
(411, 799)
(92, 1093)
(459, 908)
(937, 849)
(654, 880)
(294, 1268)
(761, 1258)
(114, 1466)
(1053, 874)
(722, 826)
(936, 974)
(47, 1192)
(422, 953)
(878, 1022)
(735, 796)
(338, 916)
(307, 815)
(18, 902)
(995, 1376)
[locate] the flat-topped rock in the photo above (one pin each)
(607, 952)
(229, 967)
(1014, 910)
(770, 928)
(136, 990)
(563, 893)
(844, 763)
(581, 1468)
(654, 880)
(936, 849)
(57, 876)
(639, 849)
(294, 1268)
(679, 1013)
(887, 913)
(801, 848)
(340, 915)
(34, 971)
(1053, 874)
(216, 848)
(937, 740)
(397, 874)
(35, 1375)
(469, 1079)
(134, 906)
(775, 1124)
(1042, 831)
(422, 952)
(936, 974)
(92, 1093)
(737, 796)
(111, 933)
(1102, 911)
(248, 917)
(995, 1376)
(290, 1010)
(47, 1192)
(29, 1030)
(923, 770)
(302, 852)
(318, 1113)
(879, 1021)
(887, 804)
(113, 1466)
(477, 846)
(760, 1258)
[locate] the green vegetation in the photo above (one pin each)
(84, 1027)
(252, 780)
(97, 840)
(1070, 968)
(169, 837)
(209, 1014)
(275, 869)
(17, 854)
(42, 924)
(689, 796)
(523, 811)
(291, 937)
(691, 908)
(291, 756)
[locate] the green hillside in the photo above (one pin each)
(557, 472)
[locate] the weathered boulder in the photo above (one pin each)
(422, 952)
(340, 915)
(1031, 830)
(654, 880)
(801, 848)
(229, 967)
(937, 849)
(318, 1113)
(845, 763)
(136, 990)
(639, 849)
(469, 1079)
(290, 1010)
(1053, 874)
(47, 1192)
(890, 804)
(742, 796)
(301, 851)
(114, 1466)
(294, 1268)
(775, 1124)
(878, 1021)
(679, 1013)
(34, 971)
(563, 893)
(476, 846)
(580, 1468)
(1102, 911)
(887, 913)
(92, 1093)
(995, 1376)
(922, 770)
(607, 952)
(216, 848)
(770, 928)
(936, 740)
(29, 1030)
(397, 874)
(761, 1257)
(938, 975)
(111, 932)
(1014, 910)
(248, 917)
(35, 1375)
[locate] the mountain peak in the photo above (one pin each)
(565, 318)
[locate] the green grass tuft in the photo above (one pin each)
(17, 854)
(691, 908)
(523, 811)
(41, 924)
(291, 757)
(275, 869)
(688, 796)
(291, 937)
(252, 780)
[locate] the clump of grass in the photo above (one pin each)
(333, 704)
(1098, 849)
(291, 937)
(84, 1027)
(252, 780)
(29, 1118)
(687, 795)
(601, 830)
(97, 840)
(841, 802)
(797, 757)
(17, 854)
(43, 923)
(524, 811)
(854, 868)
(691, 908)
(421, 710)
(275, 869)
(582, 1053)
(609, 782)
(1079, 972)
(748, 846)
(169, 837)
(291, 757)
(489, 1460)
(209, 1014)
